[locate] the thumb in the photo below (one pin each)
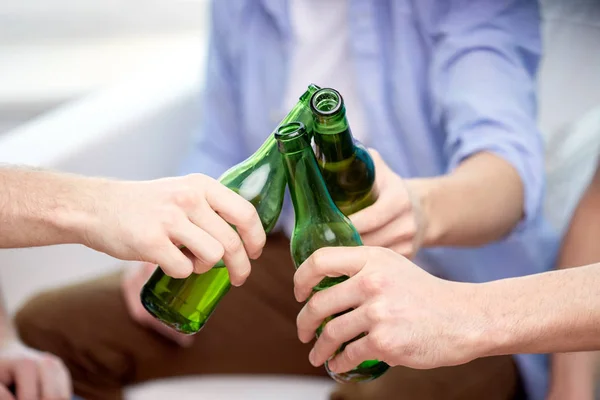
(382, 170)
(377, 159)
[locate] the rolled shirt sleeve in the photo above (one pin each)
(486, 56)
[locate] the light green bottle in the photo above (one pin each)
(318, 223)
(186, 304)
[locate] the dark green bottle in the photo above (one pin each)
(186, 304)
(346, 165)
(318, 223)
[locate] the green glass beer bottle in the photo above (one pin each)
(186, 304)
(346, 165)
(318, 223)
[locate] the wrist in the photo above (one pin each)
(430, 228)
(504, 329)
(483, 338)
(74, 213)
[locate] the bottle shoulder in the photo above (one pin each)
(309, 237)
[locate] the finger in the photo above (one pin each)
(389, 203)
(64, 378)
(240, 213)
(337, 332)
(205, 249)
(401, 229)
(53, 385)
(26, 380)
(328, 262)
(324, 304)
(142, 316)
(405, 249)
(375, 216)
(6, 372)
(173, 261)
(381, 167)
(235, 256)
(5, 394)
(354, 354)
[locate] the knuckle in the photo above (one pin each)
(378, 312)
(314, 304)
(232, 243)
(171, 217)
(372, 284)
(27, 364)
(381, 343)
(350, 353)
(247, 214)
(329, 332)
(184, 196)
(318, 260)
(53, 361)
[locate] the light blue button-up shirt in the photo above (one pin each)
(439, 80)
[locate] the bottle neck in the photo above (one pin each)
(333, 137)
(308, 191)
(300, 112)
(333, 146)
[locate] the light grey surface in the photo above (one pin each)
(52, 51)
(33, 20)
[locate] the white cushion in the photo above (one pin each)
(233, 388)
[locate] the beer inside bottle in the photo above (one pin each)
(186, 304)
(346, 165)
(318, 223)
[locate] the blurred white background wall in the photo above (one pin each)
(52, 51)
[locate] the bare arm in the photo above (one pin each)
(480, 202)
(138, 221)
(573, 374)
(420, 321)
(557, 311)
(40, 208)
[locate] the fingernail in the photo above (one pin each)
(311, 357)
(237, 283)
(331, 366)
(303, 340)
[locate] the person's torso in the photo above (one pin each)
(386, 49)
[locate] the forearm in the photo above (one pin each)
(479, 202)
(557, 311)
(39, 208)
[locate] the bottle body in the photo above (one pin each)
(319, 223)
(186, 304)
(346, 165)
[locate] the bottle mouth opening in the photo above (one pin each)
(290, 131)
(326, 102)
